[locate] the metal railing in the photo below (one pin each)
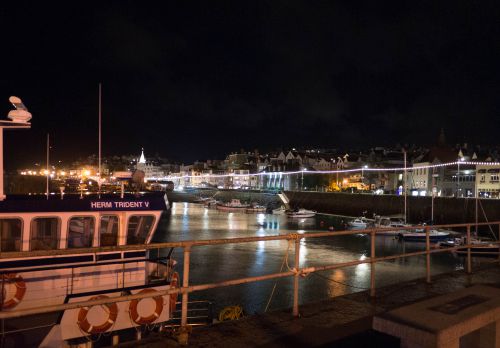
(295, 272)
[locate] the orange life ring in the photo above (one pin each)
(20, 290)
(174, 283)
(87, 327)
(134, 314)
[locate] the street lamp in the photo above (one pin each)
(303, 170)
(362, 175)
(461, 159)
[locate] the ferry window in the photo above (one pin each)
(139, 227)
(10, 231)
(81, 232)
(108, 233)
(44, 233)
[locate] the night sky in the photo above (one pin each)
(196, 80)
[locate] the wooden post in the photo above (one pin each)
(296, 279)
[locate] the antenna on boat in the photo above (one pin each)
(99, 176)
(19, 120)
(404, 181)
(48, 170)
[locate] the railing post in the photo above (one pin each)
(427, 255)
(469, 265)
(372, 263)
(182, 337)
(296, 278)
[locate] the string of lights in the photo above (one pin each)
(337, 171)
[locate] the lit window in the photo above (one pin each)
(10, 231)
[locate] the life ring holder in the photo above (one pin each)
(20, 290)
(134, 314)
(87, 327)
(174, 283)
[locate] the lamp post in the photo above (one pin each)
(461, 159)
(302, 184)
(362, 175)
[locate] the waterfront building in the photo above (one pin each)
(150, 169)
(487, 181)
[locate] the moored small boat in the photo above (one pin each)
(479, 247)
(255, 209)
(388, 222)
(301, 213)
(234, 205)
(279, 211)
(359, 223)
(434, 236)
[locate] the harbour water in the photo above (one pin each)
(189, 221)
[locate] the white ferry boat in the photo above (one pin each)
(56, 250)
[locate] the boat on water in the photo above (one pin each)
(202, 200)
(57, 250)
(359, 223)
(398, 225)
(255, 208)
(233, 205)
(301, 213)
(279, 211)
(480, 247)
(434, 236)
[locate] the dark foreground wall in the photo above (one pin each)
(446, 210)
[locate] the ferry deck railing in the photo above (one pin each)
(296, 272)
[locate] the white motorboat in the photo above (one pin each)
(434, 236)
(359, 223)
(279, 211)
(233, 205)
(479, 247)
(301, 213)
(388, 222)
(255, 208)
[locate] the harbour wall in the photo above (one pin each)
(447, 210)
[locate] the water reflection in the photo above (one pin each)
(232, 261)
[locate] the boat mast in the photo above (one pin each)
(99, 176)
(47, 170)
(432, 196)
(404, 181)
(477, 197)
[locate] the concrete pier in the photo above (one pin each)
(343, 321)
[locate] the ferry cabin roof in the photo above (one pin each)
(41, 224)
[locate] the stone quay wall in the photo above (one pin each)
(447, 210)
